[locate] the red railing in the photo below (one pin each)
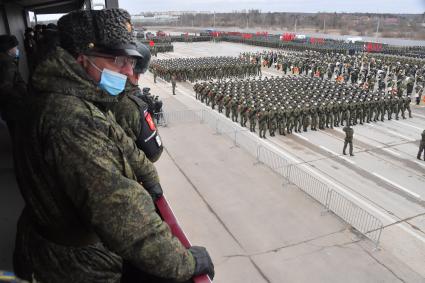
(168, 216)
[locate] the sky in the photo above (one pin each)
(309, 6)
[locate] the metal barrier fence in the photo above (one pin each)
(297, 174)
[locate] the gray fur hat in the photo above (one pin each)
(107, 31)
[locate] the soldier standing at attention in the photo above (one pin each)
(132, 114)
(349, 132)
(422, 146)
(88, 214)
(155, 75)
(173, 83)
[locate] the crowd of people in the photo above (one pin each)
(370, 72)
(39, 42)
(287, 104)
(84, 144)
(204, 68)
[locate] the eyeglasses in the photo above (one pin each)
(120, 61)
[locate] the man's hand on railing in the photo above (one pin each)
(204, 264)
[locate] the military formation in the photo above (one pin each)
(325, 45)
(156, 48)
(296, 104)
(377, 72)
(205, 68)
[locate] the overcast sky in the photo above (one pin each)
(372, 6)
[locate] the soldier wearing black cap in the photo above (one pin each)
(12, 86)
(132, 112)
(89, 216)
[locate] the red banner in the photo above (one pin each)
(287, 36)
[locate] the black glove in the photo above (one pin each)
(155, 191)
(204, 264)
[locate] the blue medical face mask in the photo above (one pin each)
(17, 53)
(110, 81)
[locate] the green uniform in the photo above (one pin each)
(86, 211)
(173, 84)
(348, 139)
(12, 86)
(128, 115)
(422, 146)
(262, 122)
(252, 114)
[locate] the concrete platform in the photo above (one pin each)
(253, 224)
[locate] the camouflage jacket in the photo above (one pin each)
(12, 87)
(79, 172)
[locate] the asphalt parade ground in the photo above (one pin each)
(257, 227)
(384, 177)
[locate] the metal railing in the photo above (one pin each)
(297, 174)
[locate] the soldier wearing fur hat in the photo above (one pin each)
(89, 214)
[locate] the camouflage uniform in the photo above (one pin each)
(252, 114)
(422, 146)
(348, 139)
(84, 181)
(173, 84)
(262, 121)
(128, 115)
(12, 86)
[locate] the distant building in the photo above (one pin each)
(155, 19)
(392, 21)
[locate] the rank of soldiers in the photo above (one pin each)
(328, 45)
(204, 68)
(159, 47)
(368, 71)
(287, 104)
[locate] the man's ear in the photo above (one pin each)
(82, 60)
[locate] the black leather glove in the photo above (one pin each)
(155, 191)
(204, 264)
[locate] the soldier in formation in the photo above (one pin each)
(287, 104)
(204, 68)
(89, 215)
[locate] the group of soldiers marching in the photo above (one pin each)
(377, 72)
(294, 104)
(204, 68)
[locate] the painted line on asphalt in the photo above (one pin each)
(400, 135)
(393, 133)
(300, 136)
(390, 151)
(397, 185)
(336, 154)
(402, 123)
(420, 163)
(418, 115)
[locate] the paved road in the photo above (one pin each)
(384, 176)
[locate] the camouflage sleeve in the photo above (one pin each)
(127, 118)
(7, 74)
(97, 175)
(144, 169)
